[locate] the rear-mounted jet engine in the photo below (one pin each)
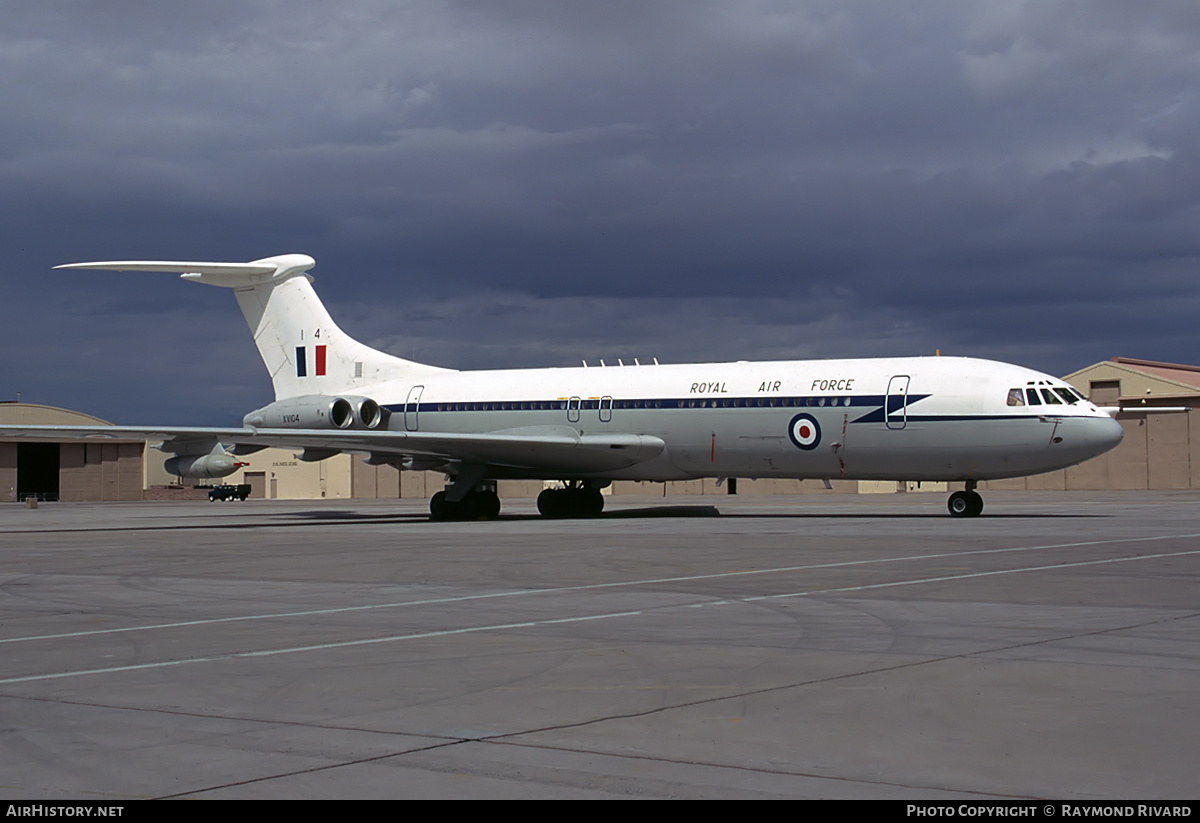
(316, 411)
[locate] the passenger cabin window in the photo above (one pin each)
(1016, 397)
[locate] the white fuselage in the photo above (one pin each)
(924, 418)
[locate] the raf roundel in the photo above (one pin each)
(805, 431)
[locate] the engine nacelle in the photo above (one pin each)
(367, 412)
(202, 466)
(317, 411)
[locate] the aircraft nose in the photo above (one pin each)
(1104, 433)
(1082, 438)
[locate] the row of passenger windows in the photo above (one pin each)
(1055, 396)
(610, 403)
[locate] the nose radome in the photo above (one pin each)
(1105, 433)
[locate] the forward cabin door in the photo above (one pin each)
(896, 404)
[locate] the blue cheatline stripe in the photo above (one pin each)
(301, 364)
(871, 404)
(653, 403)
(873, 407)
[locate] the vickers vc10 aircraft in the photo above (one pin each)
(912, 418)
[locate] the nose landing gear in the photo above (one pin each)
(966, 503)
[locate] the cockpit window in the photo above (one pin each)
(1050, 398)
(1069, 395)
(1032, 394)
(1016, 397)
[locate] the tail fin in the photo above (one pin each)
(303, 349)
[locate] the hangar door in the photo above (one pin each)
(37, 471)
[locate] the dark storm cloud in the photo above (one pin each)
(533, 183)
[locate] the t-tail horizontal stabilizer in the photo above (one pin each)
(230, 275)
(291, 326)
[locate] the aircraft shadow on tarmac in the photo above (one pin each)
(678, 511)
(655, 511)
(318, 517)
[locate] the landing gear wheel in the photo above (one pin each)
(488, 505)
(965, 504)
(477, 505)
(551, 504)
(573, 501)
(592, 502)
(440, 508)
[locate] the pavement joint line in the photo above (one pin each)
(560, 621)
(622, 584)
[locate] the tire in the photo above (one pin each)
(489, 505)
(965, 504)
(592, 503)
(976, 503)
(549, 503)
(439, 507)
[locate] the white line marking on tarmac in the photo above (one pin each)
(612, 615)
(596, 586)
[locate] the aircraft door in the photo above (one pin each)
(606, 406)
(411, 406)
(896, 403)
(573, 409)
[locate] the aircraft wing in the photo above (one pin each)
(541, 448)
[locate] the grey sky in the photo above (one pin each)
(533, 183)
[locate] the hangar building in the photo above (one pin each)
(75, 471)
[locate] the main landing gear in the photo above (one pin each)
(966, 503)
(576, 500)
(480, 504)
(470, 497)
